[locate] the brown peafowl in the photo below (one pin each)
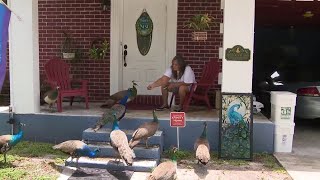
(8, 141)
(202, 147)
(50, 97)
(145, 131)
(166, 170)
(119, 141)
(115, 98)
(76, 149)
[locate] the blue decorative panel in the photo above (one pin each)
(235, 126)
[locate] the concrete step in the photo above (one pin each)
(103, 135)
(139, 165)
(106, 150)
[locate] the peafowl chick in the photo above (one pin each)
(233, 115)
(50, 97)
(8, 141)
(145, 131)
(166, 170)
(118, 109)
(76, 149)
(115, 98)
(119, 141)
(202, 147)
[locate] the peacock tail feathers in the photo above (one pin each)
(107, 117)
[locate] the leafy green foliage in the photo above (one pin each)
(200, 22)
(98, 49)
(180, 154)
(12, 174)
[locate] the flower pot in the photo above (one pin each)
(199, 36)
(68, 55)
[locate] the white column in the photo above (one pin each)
(24, 57)
(238, 30)
(115, 45)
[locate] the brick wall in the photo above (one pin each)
(85, 21)
(197, 53)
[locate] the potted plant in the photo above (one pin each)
(99, 49)
(68, 47)
(199, 24)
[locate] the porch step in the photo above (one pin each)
(139, 165)
(106, 150)
(103, 135)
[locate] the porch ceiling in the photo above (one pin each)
(287, 12)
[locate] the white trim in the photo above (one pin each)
(115, 45)
(116, 39)
(24, 57)
(221, 28)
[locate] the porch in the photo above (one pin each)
(55, 127)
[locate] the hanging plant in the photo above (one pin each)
(99, 49)
(200, 23)
(68, 46)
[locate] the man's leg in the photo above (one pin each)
(183, 90)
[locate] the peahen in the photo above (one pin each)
(233, 115)
(8, 141)
(51, 96)
(115, 98)
(145, 131)
(166, 170)
(202, 147)
(76, 149)
(119, 141)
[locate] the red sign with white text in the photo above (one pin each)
(177, 119)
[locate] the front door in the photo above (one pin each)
(146, 63)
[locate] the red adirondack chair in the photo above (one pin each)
(199, 91)
(57, 72)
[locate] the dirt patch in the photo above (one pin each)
(263, 166)
(189, 169)
(30, 168)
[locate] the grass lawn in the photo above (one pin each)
(29, 160)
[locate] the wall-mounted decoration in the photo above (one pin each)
(99, 49)
(199, 23)
(237, 53)
(144, 29)
(68, 47)
(235, 126)
(105, 4)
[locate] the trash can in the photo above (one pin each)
(282, 114)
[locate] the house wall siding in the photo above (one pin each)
(85, 21)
